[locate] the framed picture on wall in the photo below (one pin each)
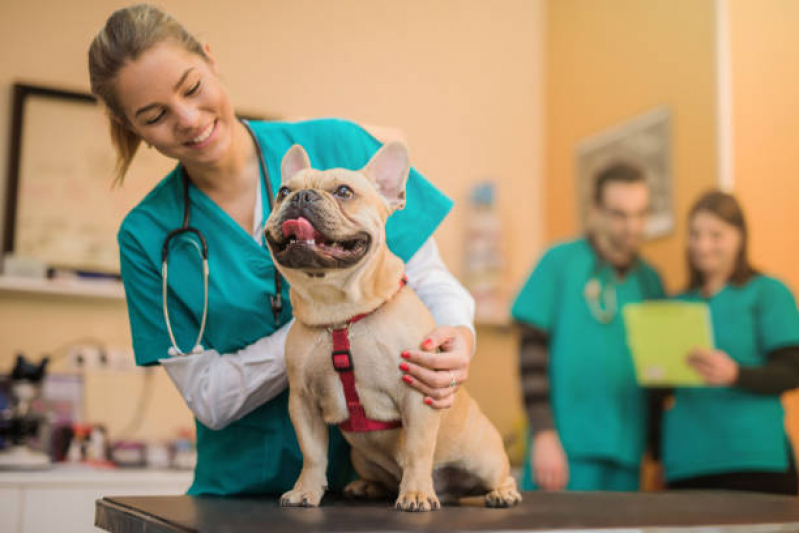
(644, 141)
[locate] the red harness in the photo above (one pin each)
(342, 362)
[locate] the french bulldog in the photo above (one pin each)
(327, 237)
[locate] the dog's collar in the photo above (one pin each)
(342, 363)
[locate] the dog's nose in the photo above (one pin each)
(305, 197)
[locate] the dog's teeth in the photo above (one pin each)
(310, 242)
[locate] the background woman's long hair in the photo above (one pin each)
(727, 208)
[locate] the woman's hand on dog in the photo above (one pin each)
(439, 365)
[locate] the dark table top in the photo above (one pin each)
(540, 511)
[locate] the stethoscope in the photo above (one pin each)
(601, 298)
(275, 301)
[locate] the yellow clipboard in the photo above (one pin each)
(660, 334)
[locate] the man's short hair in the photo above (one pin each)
(618, 172)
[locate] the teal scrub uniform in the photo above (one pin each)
(259, 452)
(599, 411)
(715, 430)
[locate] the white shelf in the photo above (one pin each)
(84, 288)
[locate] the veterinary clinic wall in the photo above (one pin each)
(611, 60)
(765, 125)
(463, 81)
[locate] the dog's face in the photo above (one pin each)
(334, 219)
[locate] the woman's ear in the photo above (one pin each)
(210, 58)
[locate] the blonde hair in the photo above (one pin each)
(128, 33)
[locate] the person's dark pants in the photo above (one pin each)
(769, 482)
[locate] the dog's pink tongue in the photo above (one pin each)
(299, 227)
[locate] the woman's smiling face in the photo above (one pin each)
(173, 100)
(713, 244)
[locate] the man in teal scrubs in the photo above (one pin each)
(259, 452)
(586, 413)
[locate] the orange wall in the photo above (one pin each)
(610, 60)
(765, 119)
(765, 115)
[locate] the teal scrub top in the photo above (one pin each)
(713, 430)
(259, 452)
(599, 410)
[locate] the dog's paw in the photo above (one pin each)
(301, 498)
(416, 501)
(503, 497)
(362, 488)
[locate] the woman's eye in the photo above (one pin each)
(194, 89)
(155, 119)
(343, 192)
(282, 193)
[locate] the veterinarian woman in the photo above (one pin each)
(731, 434)
(161, 87)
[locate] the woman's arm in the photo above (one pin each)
(431, 372)
(448, 301)
(779, 374)
(220, 389)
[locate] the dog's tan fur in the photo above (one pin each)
(459, 444)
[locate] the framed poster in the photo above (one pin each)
(644, 141)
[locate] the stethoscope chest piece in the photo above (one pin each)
(601, 300)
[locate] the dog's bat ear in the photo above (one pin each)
(296, 159)
(389, 169)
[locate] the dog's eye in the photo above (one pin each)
(343, 192)
(282, 193)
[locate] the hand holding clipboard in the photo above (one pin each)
(662, 334)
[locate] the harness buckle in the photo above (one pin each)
(342, 360)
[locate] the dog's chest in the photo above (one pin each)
(374, 357)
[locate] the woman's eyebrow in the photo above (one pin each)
(183, 78)
(177, 86)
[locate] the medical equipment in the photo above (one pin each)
(275, 301)
(601, 300)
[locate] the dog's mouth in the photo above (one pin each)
(301, 245)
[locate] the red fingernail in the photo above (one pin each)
(407, 379)
(405, 355)
(427, 344)
(428, 401)
(404, 367)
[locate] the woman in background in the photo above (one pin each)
(730, 434)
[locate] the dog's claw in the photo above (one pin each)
(301, 498)
(414, 501)
(503, 497)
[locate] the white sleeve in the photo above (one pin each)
(222, 388)
(448, 301)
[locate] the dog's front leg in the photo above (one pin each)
(312, 435)
(417, 450)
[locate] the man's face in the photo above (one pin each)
(621, 216)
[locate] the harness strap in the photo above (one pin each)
(342, 363)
